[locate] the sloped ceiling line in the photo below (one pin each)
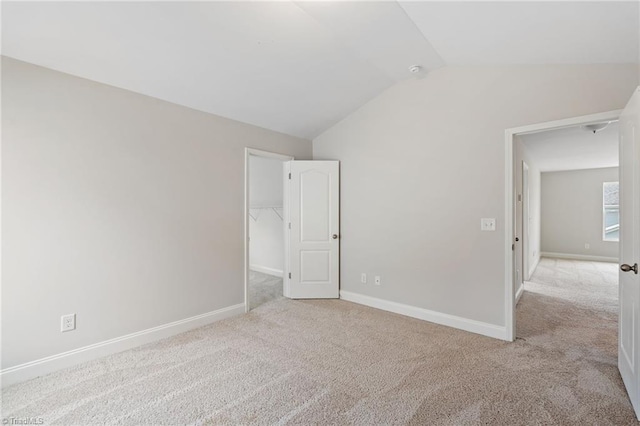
(300, 67)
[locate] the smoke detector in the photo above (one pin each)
(414, 69)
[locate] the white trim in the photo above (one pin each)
(248, 152)
(567, 122)
(586, 257)
(509, 253)
(266, 270)
(536, 261)
(483, 328)
(525, 224)
(519, 293)
(42, 366)
(286, 281)
(509, 311)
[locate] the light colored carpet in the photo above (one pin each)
(335, 362)
(263, 288)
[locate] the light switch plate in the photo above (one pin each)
(488, 224)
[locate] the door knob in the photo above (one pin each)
(626, 268)
(334, 236)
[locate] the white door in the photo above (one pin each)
(629, 321)
(312, 205)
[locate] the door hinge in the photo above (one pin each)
(289, 175)
(289, 225)
(289, 275)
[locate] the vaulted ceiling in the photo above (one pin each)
(299, 67)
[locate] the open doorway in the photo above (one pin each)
(575, 221)
(556, 207)
(264, 227)
(567, 203)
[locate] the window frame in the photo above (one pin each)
(606, 208)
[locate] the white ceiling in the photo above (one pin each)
(573, 148)
(299, 67)
(530, 32)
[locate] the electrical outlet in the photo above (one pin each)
(68, 322)
(377, 280)
(363, 278)
(488, 224)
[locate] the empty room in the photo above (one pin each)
(320, 212)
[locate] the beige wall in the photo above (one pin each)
(424, 161)
(124, 209)
(572, 212)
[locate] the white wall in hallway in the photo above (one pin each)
(533, 242)
(535, 195)
(572, 212)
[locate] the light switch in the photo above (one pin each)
(488, 224)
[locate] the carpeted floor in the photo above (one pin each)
(335, 362)
(263, 288)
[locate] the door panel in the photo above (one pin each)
(315, 219)
(315, 266)
(629, 282)
(313, 255)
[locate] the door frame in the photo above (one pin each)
(509, 205)
(248, 152)
(526, 217)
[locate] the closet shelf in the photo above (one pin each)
(255, 212)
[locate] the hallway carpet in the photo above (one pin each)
(263, 288)
(337, 363)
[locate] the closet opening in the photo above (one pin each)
(264, 227)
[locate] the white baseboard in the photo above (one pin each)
(579, 257)
(532, 268)
(483, 328)
(29, 370)
(519, 293)
(266, 270)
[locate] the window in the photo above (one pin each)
(611, 211)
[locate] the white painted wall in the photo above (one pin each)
(535, 237)
(424, 161)
(572, 213)
(521, 154)
(266, 228)
(265, 181)
(121, 208)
